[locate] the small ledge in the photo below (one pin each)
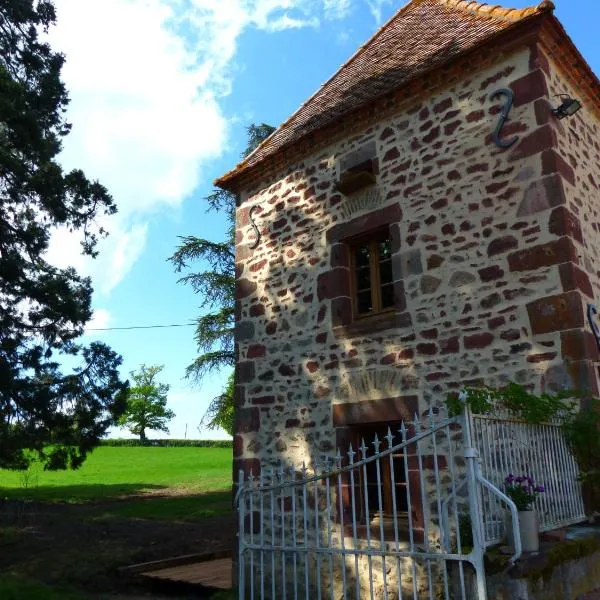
(375, 324)
(356, 178)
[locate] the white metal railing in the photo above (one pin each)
(510, 446)
(311, 533)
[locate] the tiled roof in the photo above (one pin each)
(421, 36)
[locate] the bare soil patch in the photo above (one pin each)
(82, 547)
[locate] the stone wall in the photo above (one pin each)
(577, 162)
(486, 266)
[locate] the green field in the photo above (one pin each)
(111, 473)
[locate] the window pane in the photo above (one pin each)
(365, 304)
(361, 256)
(385, 272)
(372, 490)
(385, 249)
(363, 278)
(387, 295)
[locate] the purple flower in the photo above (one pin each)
(539, 488)
(520, 479)
(510, 478)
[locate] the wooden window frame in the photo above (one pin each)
(372, 239)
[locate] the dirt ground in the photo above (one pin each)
(81, 547)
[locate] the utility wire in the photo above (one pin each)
(139, 327)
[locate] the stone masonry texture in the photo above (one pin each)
(496, 256)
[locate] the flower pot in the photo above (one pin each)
(528, 528)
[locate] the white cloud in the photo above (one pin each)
(337, 9)
(100, 319)
(146, 78)
(376, 7)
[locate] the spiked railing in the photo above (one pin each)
(312, 533)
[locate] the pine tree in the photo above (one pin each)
(216, 288)
(44, 413)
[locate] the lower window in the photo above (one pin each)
(390, 485)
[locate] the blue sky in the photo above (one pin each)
(162, 91)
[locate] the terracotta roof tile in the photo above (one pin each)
(421, 36)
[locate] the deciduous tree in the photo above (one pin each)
(146, 407)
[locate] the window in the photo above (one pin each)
(373, 282)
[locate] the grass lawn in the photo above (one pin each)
(13, 589)
(111, 473)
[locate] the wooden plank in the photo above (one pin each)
(212, 574)
(174, 561)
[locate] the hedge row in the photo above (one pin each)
(169, 443)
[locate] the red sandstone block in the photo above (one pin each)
(258, 266)
(243, 288)
(401, 408)
(543, 255)
(450, 128)
(478, 340)
(442, 106)
(341, 311)
(286, 370)
(257, 310)
(563, 222)
(388, 359)
(579, 345)
(573, 278)
(496, 322)
(312, 366)
(556, 313)
(529, 88)
(450, 345)
(247, 420)
(543, 112)
(543, 357)
(245, 371)
(256, 351)
(501, 245)
(427, 349)
(263, 400)
(476, 115)
(238, 445)
(541, 139)
(552, 162)
(247, 466)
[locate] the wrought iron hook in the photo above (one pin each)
(508, 93)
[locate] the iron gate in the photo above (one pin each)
(399, 517)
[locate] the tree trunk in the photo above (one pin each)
(143, 439)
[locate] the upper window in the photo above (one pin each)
(373, 283)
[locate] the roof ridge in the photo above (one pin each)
(496, 11)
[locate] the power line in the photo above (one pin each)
(140, 327)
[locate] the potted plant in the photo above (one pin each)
(523, 491)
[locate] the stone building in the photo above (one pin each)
(424, 221)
